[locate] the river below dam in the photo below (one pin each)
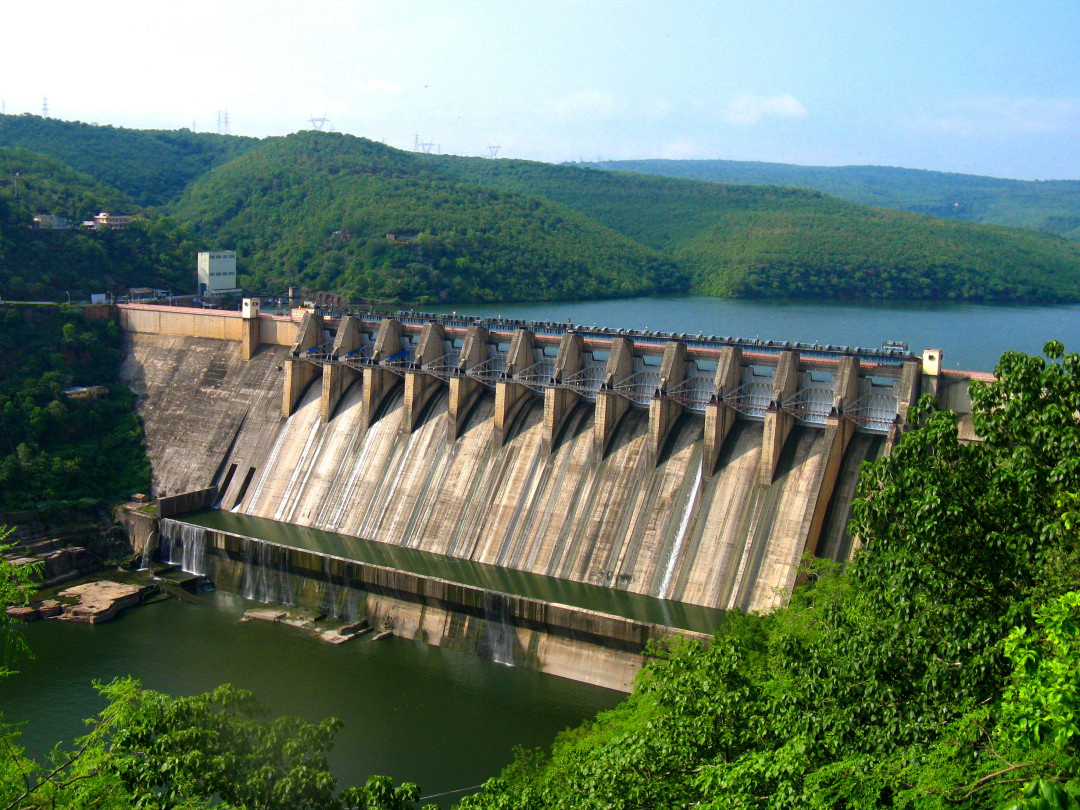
(443, 719)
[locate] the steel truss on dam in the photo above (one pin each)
(683, 371)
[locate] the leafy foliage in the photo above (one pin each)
(316, 209)
(57, 264)
(1052, 205)
(766, 241)
(16, 584)
(217, 749)
(52, 446)
(939, 669)
(151, 167)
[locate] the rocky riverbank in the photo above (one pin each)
(88, 602)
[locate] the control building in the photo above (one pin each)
(217, 273)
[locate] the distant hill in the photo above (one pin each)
(1046, 205)
(767, 241)
(48, 186)
(152, 167)
(316, 209)
(343, 214)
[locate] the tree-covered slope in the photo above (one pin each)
(771, 241)
(1047, 205)
(316, 208)
(55, 264)
(151, 167)
(830, 252)
(55, 449)
(41, 184)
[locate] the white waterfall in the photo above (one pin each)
(498, 641)
(680, 536)
(183, 544)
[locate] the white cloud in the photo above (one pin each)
(680, 149)
(1002, 116)
(746, 110)
(589, 104)
(375, 87)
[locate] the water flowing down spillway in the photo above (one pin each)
(717, 538)
(617, 522)
(498, 643)
(184, 545)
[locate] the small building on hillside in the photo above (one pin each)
(51, 222)
(217, 272)
(111, 222)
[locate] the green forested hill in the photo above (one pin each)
(769, 241)
(49, 186)
(151, 167)
(1047, 205)
(54, 264)
(315, 209)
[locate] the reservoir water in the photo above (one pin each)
(972, 336)
(443, 719)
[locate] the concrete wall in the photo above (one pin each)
(139, 526)
(667, 530)
(169, 506)
(200, 323)
(570, 642)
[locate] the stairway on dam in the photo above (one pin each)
(708, 495)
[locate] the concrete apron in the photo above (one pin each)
(570, 642)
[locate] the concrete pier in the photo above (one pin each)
(379, 382)
(560, 400)
(339, 376)
(719, 415)
(510, 395)
(420, 385)
(465, 390)
(778, 422)
(664, 410)
(299, 374)
(610, 405)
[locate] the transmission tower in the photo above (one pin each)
(319, 123)
(223, 122)
(493, 151)
(421, 146)
(44, 106)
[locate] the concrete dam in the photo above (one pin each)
(690, 470)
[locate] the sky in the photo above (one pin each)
(989, 87)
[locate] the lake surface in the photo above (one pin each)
(972, 336)
(442, 719)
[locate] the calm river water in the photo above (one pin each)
(443, 719)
